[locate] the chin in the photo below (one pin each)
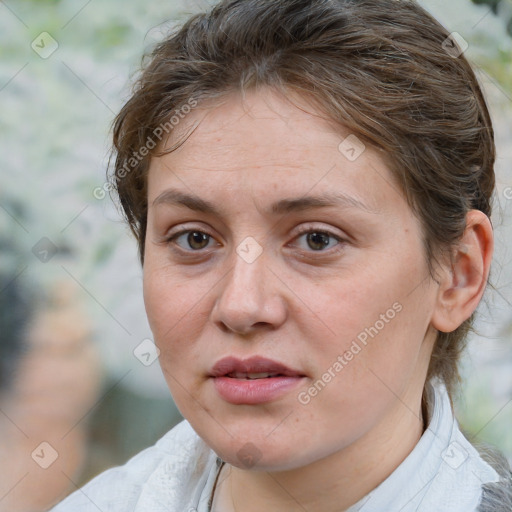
(250, 457)
(254, 451)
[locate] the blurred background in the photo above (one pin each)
(80, 389)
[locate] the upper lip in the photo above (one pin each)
(255, 364)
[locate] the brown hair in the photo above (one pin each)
(383, 69)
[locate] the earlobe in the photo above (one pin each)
(463, 280)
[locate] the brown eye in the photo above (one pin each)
(317, 240)
(191, 240)
(198, 240)
(314, 240)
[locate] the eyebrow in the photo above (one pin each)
(283, 206)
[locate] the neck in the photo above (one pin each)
(330, 484)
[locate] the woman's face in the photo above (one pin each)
(272, 236)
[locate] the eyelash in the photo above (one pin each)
(302, 231)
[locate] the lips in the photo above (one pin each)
(253, 381)
(252, 368)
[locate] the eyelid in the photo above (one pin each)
(185, 228)
(311, 228)
(178, 234)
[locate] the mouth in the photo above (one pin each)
(253, 381)
(253, 368)
(253, 376)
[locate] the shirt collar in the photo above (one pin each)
(444, 472)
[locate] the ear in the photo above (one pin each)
(464, 278)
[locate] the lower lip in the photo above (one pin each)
(254, 391)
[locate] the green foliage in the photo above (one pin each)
(112, 35)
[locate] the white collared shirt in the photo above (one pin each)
(443, 473)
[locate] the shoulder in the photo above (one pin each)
(172, 458)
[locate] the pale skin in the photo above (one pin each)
(295, 303)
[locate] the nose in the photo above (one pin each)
(250, 299)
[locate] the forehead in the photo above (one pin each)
(265, 144)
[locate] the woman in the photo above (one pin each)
(309, 183)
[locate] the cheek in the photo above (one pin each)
(175, 308)
(172, 325)
(166, 303)
(344, 306)
(374, 318)
(360, 374)
(156, 298)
